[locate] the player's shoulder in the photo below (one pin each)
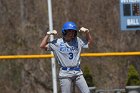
(78, 39)
(58, 40)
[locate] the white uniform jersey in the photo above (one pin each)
(67, 54)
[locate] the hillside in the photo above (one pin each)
(23, 23)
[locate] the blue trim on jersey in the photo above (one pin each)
(77, 68)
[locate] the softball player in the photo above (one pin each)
(67, 52)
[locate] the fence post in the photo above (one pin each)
(92, 89)
(100, 91)
(132, 89)
(117, 91)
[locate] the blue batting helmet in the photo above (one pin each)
(69, 26)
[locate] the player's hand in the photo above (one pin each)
(83, 29)
(54, 32)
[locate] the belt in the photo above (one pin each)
(71, 68)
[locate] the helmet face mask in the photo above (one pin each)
(66, 31)
(69, 35)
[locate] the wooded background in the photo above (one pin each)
(23, 24)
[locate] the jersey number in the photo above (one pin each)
(70, 55)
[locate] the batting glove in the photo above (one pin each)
(82, 29)
(54, 32)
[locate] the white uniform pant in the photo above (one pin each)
(66, 84)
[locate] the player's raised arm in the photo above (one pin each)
(87, 35)
(45, 40)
